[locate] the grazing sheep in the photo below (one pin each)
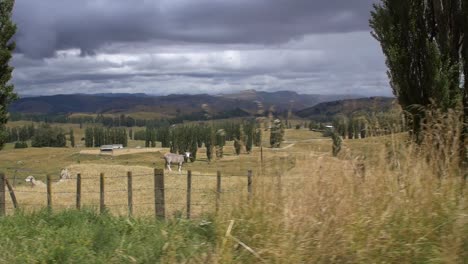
(64, 174)
(33, 181)
(175, 158)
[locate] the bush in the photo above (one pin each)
(20, 145)
(47, 136)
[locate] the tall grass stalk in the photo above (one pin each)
(409, 205)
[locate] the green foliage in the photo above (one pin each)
(336, 147)
(7, 46)
(21, 144)
(421, 42)
(237, 146)
(162, 135)
(89, 137)
(22, 133)
(72, 138)
(258, 137)
(48, 136)
(86, 237)
(107, 136)
(209, 139)
(151, 137)
(220, 142)
(276, 133)
(249, 134)
(139, 135)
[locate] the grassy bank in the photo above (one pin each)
(85, 237)
(382, 200)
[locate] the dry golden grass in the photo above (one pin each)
(328, 210)
(308, 207)
(64, 192)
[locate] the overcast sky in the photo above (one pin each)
(196, 46)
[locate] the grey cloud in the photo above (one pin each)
(327, 63)
(203, 46)
(47, 26)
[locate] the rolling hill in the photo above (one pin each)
(328, 110)
(242, 103)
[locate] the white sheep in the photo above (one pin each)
(64, 174)
(33, 181)
(175, 158)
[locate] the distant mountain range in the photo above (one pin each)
(328, 110)
(170, 105)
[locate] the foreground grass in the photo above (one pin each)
(409, 205)
(85, 237)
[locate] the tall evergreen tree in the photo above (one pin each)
(422, 41)
(89, 137)
(276, 133)
(7, 31)
(464, 139)
(209, 142)
(72, 138)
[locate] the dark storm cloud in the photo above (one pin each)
(196, 46)
(49, 25)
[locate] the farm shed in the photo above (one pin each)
(107, 148)
(111, 147)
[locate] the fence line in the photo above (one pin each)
(161, 190)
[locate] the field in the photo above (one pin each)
(377, 202)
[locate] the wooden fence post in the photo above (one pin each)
(102, 205)
(12, 193)
(249, 183)
(261, 156)
(2, 194)
(189, 192)
(78, 191)
(49, 192)
(130, 193)
(218, 190)
(159, 203)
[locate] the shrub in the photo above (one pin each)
(21, 144)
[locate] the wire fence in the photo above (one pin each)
(135, 194)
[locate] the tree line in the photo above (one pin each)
(43, 135)
(98, 136)
(363, 125)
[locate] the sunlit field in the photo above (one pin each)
(377, 202)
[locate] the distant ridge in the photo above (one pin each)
(244, 102)
(286, 99)
(347, 107)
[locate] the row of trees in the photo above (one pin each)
(20, 133)
(121, 120)
(213, 136)
(48, 136)
(362, 125)
(44, 135)
(98, 136)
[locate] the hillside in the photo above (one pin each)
(170, 105)
(283, 100)
(329, 109)
(238, 104)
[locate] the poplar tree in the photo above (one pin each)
(422, 40)
(464, 139)
(7, 46)
(72, 138)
